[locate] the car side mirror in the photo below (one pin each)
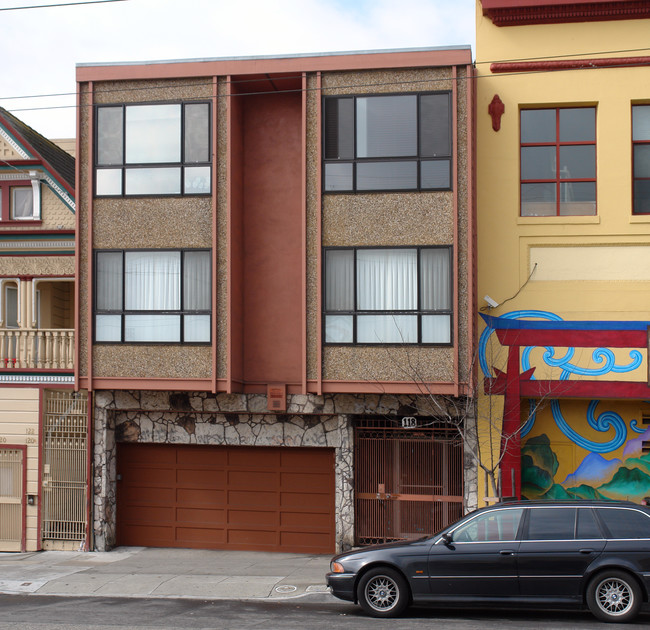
(447, 538)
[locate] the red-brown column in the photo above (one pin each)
(510, 437)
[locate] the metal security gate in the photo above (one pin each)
(12, 495)
(65, 452)
(408, 481)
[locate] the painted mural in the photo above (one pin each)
(597, 477)
(588, 449)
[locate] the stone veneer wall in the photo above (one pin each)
(236, 419)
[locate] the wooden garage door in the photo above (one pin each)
(226, 497)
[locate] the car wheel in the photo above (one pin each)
(383, 592)
(614, 596)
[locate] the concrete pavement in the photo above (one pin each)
(151, 572)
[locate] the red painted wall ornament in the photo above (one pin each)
(496, 109)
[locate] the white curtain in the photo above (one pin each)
(339, 280)
(196, 296)
(387, 279)
(435, 281)
(152, 281)
(109, 281)
(23, 203)
(196, 281)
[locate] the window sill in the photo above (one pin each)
(640, 218)
(581, 220)
(15, 223)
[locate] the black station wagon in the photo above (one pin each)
(520, 553)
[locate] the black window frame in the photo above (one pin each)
(419, 312)
(124, 312)
(124, 166)
(419, 158)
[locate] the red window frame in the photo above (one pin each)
(558, 144)
(635, 179)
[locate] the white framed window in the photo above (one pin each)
(20, 200)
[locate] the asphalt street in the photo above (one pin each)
(41, 612)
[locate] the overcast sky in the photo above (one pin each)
(40, 47)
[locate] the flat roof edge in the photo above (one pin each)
(276, 57)
(330, 62)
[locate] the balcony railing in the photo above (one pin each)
(49, 349)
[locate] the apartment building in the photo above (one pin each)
(276, 297)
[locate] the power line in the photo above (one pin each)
(278, 79)
(62, 4)
(322, 89)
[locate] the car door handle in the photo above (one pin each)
(586, 550)
(507, 552)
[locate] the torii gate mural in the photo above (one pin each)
(618, 467)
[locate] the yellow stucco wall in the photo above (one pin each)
(596, 251)
(579, 268)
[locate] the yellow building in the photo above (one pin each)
(43, 422)
(563, 168)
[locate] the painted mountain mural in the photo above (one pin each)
(595, 478)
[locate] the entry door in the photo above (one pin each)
(12, 498)
(408, 481)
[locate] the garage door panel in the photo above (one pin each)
(201, 516)
(201, 457)
(260, 538)
(298, 481)
(132, 494)
(188, 496)
(249, 517)
(307, 458)
(254, 457)
(165, 456)
(154, 476)
(305, 500)
(305, 520)
(196, 536)
(252, 480)
(301, 540)
(217, 497)
(201, 478)
(151, 535)
(239, 498)
(155, 515)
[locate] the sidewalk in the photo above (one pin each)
(151, 572)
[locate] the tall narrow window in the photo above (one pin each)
(387, 142)
(558, 162)
(153, 296)
(10, 314)
(383, 295)
(153, 149)
(641, 153)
